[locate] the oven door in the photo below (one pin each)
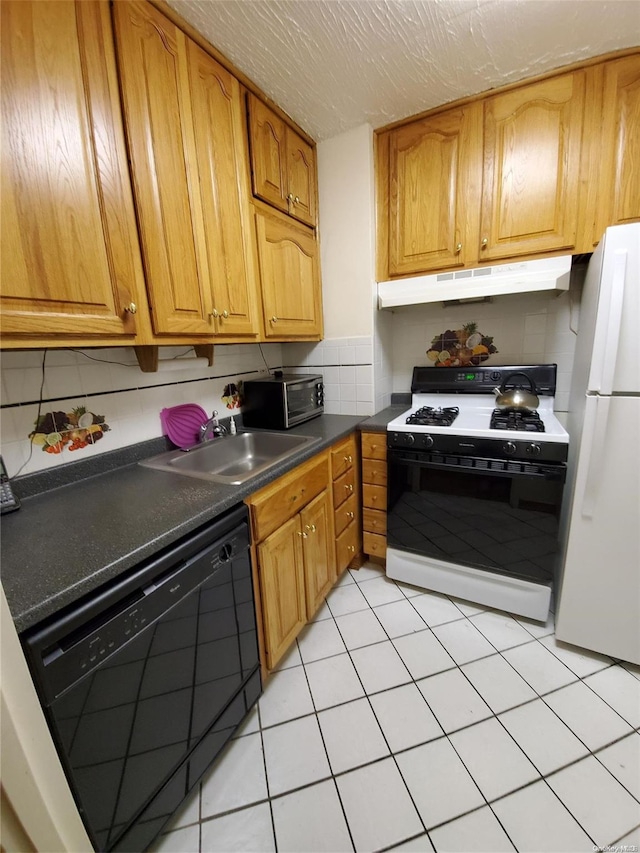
(494, 515)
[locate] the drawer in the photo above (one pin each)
(374, 544)
(343, 456)
(374, 497)
(345, 514)
(374, 521)
(347, 546)
(374, 471)
(374, 445)
(344, 487)
(272, 506)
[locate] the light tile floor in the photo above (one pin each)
(405, 720)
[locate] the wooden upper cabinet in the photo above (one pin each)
(532, 156)
(267, 134)
(301, 162)
(290, 277)
(183, 117)
(224, 180)
(434, 169)
(283, 164)
(619, 174)
(70, 257)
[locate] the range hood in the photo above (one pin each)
(514, 277)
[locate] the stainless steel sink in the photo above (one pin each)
(230, 459)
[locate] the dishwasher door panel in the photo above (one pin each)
(136, 730)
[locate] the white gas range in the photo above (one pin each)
(475, 492)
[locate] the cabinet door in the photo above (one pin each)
(434, 167)
(620, 178)
(290, 278)
(155, 87)
(318, 548)
(532, 147)
(268, 137)
(70, 257)
(283, 588)
(222, 168)
(301, 178)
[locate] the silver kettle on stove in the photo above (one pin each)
(521, 399)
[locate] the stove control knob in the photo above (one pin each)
(534, 450)
(427, 441)
(509, 448)
(409, 438)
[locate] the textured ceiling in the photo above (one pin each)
(335, 64)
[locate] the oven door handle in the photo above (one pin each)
(551, 472)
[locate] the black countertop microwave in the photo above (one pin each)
(282, 401)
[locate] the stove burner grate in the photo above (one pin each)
(428, 416)
(517, 420)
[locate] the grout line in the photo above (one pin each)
(414, 681)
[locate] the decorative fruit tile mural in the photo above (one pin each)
(461, 347)
(73, 430)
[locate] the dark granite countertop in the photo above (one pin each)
(378, 423)
(67, 542)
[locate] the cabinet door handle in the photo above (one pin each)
(485, 242)
(225, 314)
(296, 200)
(304, 535)
(274, 319)
(131, 308)
(214, 313)
(458, 248)
(290, 197)
(310, 527)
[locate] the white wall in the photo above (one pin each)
(347, 232)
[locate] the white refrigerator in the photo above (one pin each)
(599, 597)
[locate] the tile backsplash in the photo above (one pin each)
(109, 382)
(526, 328)
(360, 373)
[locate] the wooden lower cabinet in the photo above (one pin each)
(302, 541)
(374, 494)
(294, 552)
(282, 586)
(317, 551)
(345, 471)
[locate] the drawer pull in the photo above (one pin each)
(349, 487)
(348, 459)
(351, 548)
(310, 527)
(304, 535)
(350, 515)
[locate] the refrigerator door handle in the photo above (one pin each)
(607, 332)
(597, 433)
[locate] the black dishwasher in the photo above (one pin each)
(145, 681)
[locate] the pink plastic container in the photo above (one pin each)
(182, 423)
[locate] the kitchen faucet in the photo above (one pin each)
(211, 429)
